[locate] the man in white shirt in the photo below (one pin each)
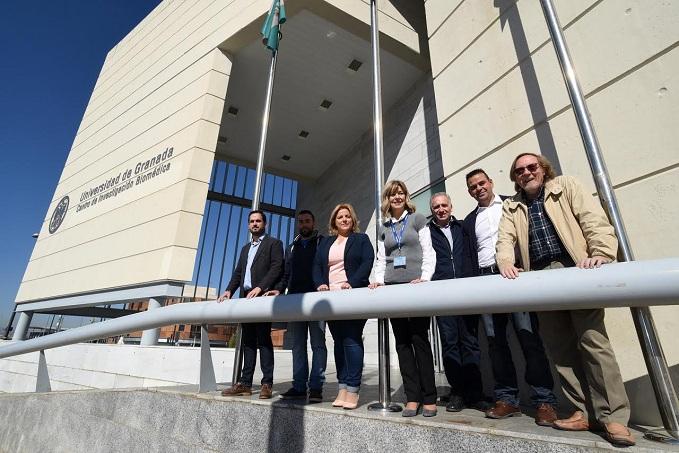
(480, 229)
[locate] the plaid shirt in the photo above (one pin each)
(544, 243)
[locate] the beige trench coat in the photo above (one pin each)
(578, 219)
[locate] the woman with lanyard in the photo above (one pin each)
(405, 255)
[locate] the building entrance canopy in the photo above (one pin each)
(322, 95)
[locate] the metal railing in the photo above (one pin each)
(631, 284)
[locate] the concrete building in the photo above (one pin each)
(466, 84)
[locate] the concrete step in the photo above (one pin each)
(178, 419)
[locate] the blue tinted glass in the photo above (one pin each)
(250, 185)
(218, 178)
(224, 228)
(293, 195)
(230, 180)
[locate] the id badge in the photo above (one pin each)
(400, 261)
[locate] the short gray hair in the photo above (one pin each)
(440, 194)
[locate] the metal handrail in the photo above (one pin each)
(639, 283)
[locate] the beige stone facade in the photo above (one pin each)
(499, 92)
(467, 84)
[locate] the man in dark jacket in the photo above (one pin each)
(459, 334)
(480, 231)
(258, 270)
(297, 278)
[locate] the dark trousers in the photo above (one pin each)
(538, 374)
(257, 335)
(461, 355)
(415, 358)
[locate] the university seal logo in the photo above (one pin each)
(59, 214)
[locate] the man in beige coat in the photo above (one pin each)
(555, 223)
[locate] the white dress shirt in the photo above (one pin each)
(487, 223)
(254, 246)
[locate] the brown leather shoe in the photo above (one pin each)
(545, 415)
(619, 435)
(265, 392)
(237, 390)
(576, 422)
(503, 410)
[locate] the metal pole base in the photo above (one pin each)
(660, 435)
(207, 381)
(384, 407)
(42, 382)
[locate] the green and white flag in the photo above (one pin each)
(271, 27)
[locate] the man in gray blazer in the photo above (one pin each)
(258, 270)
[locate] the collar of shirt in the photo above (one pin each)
(256, 242)
(540, 198)
(403, 215)
(446, 226)
(496, 200)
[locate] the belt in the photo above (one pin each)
(492, 269)
(541, 264)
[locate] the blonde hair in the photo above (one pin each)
(389, 189)
(332, 224)
(546, 165)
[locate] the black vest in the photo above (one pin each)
(448, 265)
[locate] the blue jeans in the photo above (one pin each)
(538, 374)
(348, 337)
(300, 360)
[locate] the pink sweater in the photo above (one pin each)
(337, 275)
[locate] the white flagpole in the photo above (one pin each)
(238, 353)
(384, 404)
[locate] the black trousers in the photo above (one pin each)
(257, 335)
(461, 355)
(415, 359)
(538, 374)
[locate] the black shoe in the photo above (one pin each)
(455, 404)
(479, 405)
(429, 412)
(411, 412)
(315, 395)
(293, 394)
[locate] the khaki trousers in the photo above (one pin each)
(578, 345)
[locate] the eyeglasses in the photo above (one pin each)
(532, 168)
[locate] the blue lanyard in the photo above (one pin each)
(399, 237)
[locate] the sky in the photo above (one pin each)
(51, 53)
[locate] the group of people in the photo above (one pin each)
(551, 221)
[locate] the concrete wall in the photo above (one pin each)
(172, 421)
(88, 366)
(111, 366)
(499, 92)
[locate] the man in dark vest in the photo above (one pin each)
(258, 270)
(480, 232)
(459, 334)
(299, 260)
